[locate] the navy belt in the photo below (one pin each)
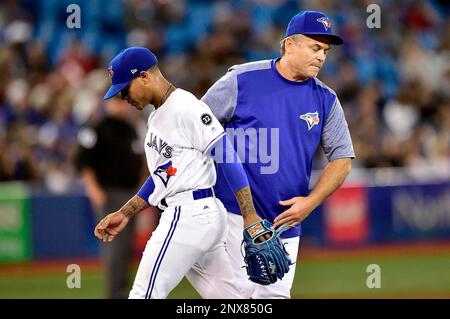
(202, 193)
(197, 194)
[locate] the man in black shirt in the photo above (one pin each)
(111, 170)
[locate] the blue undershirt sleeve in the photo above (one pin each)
(230, 164)
(146, 189)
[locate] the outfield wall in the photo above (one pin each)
(36, 225)
(361, 215)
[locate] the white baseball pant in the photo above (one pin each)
(189, 241)
(281, 289)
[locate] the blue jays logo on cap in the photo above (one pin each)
(165, 172)
(311, 119)
(312, 23)
(126, 66)
(326, 22)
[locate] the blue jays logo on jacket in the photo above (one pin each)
(165, 172)
(311, 118)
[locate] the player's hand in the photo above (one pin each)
(300, 208)
(251, 219)
(110, 226)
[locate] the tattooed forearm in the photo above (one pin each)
(244, 198)
(134, 206)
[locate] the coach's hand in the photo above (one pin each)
(300, 208)
(110, 226)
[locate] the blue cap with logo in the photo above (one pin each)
(126, 66)
(312, 23)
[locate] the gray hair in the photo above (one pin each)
(295, 37)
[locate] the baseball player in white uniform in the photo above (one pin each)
(190, 238)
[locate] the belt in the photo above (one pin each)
(186, 196)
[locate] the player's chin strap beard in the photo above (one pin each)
(167, 91)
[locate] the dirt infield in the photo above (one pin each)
(306, 253)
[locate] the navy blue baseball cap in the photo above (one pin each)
(310, 23)
(126, 66)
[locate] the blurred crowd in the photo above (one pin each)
(393, 81)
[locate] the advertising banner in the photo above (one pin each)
(410, 212)
(14, 223)
(346, 216)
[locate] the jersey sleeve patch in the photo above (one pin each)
(206, 119)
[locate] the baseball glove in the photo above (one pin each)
(266, 261)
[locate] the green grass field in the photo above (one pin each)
(416, 273)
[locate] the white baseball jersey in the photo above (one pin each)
(180, 133)
(190, 237)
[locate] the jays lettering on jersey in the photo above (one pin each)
(180, 133)
(297, 116)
